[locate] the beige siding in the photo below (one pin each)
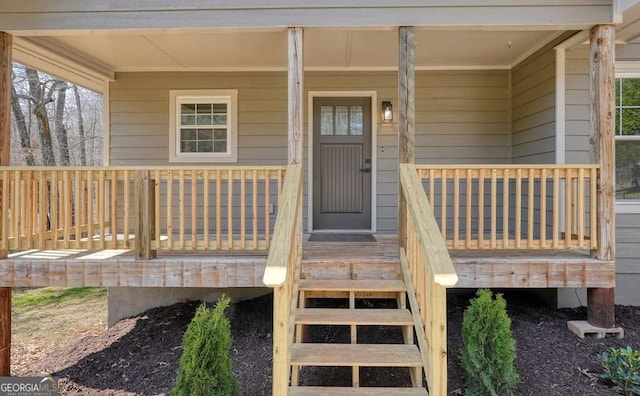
(533, 108)
(461, 117)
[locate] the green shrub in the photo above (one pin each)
(622, 370)
(489, 348)
(205, 365)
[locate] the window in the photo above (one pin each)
(627, 132)
(203, 126)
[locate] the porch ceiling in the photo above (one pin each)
(266, 49)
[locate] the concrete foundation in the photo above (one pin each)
(124, 302)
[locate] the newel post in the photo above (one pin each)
(406, 116)
(600, 301)
(145, 215)
(6, 43)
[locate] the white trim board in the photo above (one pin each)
(374, 154)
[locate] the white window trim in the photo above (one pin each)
(629, 206)
(204, 95)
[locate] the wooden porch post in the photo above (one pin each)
(282, 294)
(406, 115)
(600, 301)
(6, 42)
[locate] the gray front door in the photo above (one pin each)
(341, 163)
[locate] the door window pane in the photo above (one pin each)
(326, 120)
(342, 120)
(356, 119)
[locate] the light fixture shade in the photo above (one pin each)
(387, 111)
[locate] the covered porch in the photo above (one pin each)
(494, 209)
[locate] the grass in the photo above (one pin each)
(49, 319)
(42, 297)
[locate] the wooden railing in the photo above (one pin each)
(428, 272)
(282, 273)
(514, 206)
(202, 208)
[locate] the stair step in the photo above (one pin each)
(357, 285)
(363, 355)
(340, 316)
(343, 391)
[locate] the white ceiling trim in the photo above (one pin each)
(309, 68)
(535, 48)
(61, 62)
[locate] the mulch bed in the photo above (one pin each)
(139, 356)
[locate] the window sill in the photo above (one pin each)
(204, 159)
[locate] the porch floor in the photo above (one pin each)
(322, 260)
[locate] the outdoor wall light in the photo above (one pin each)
(387, 112)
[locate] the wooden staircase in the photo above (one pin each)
(331, 287)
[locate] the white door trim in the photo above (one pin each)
(374, 144)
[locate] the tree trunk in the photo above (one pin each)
(61, 132)
(21, 125)
(39, 110)
(83, 150)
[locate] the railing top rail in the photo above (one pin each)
(430, 239)
(506, 166)
(140, 168)
(275, 272)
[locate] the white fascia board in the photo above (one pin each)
(64, 63)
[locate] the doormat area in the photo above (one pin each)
(331, 237)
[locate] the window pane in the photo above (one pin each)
(188, 134)
(220, 108)
(220, 134)
(204, 108)
(188, 109)
(220, 147)
(630, 121)
(630, 91)
(627, 170)
(188, 146)
(342, 120)
(356, 120)
(204, 119)
(205, 146)
(219, 119)
(326, 120)
(188, 119)
(205, 134)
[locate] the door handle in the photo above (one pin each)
(365, 170)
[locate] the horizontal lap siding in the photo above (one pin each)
(461, 117)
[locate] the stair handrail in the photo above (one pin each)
(282, 272)
(429, 271)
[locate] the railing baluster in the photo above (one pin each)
(581, 212)
(181, 210)
(443, 200)
(55, 212)
(543, 209)
(243, 210)
(432, 187)
(89, 206)
(42, 228)
(505, 209)
(267, 208)
(101, 209)
(494, 208)
(556, 207)
(230, 209)
(255, 208)
(218, 209)
(16, 210)
(205, 204)
(568, 208)
(593, 211)
(469, 183)
(456, 207)
(127, 209)
(481, 208)
(194, 210)
(156, 207)
(68, 204)
(531, 208)
(518, 208)
(31, 214)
